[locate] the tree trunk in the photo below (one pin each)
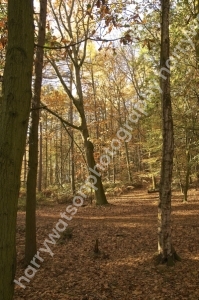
(40, 159)
(130, 179)
(154, 185)
(46, 151)
(95, 102)
(166, 251)
(114, 169)
(61, 155)
(30, 242)
(89, 148)
(187, 174)
(50, 158)
(56, 158)
(72, 152)
(25, 169)
(72, 148)
(15, 110)
(88, 145)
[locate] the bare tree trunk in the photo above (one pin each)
(72, 151)
(46, 151)
(30, 242)
(56, 158)
(167, 253)
(89, 148)
(40, 158)
(128, 162)
(187, 171)
(15, 108)
(61, 155)
(25, 168)
(99, 192)
(72, 154)
(50, 158)
(95, 102)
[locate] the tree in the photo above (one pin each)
(185, 98)
(30, 242)
(166, 250)
(15, 109)
(77, 26)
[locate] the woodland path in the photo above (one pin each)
(124, 269)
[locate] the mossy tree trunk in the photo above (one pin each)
(15, 110)
(30, 241)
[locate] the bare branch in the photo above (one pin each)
(76, 43)
(75, 143)
(60, 118)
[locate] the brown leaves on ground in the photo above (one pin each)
(127, 240)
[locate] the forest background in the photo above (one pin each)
(115, 75)
(102, 80)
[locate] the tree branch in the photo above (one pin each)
(75, 143)
(60, 118)
(74, 44)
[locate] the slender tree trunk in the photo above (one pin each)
(72, 177)
(95, 102)
(40, 158)
(46, 151)
(196, 39)
(88, 145)
(177, 167)
(139, 150)
(50, 158)
(187, 173)
(15, 110)
(128, 162)
(153, 179)
(166, 251)
(114, 169)
(61, 155)
(72, 151)
(56, 158)
(25, 168)
(154, 185)
(30, 242)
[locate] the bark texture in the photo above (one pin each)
(166, 251)
(30, 242)
(15, 110)
(89, 149)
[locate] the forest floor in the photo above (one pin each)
(124, 269)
